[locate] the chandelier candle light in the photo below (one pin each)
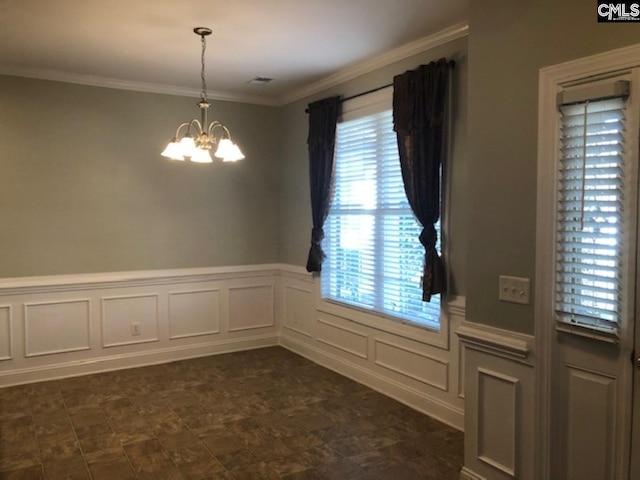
(196, 148)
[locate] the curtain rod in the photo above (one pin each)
(452, 65)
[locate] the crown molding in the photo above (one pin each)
(444, 36)
(447, 35)
(96, 81)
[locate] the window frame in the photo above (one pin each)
(577, 321)
(362, 106)
(547, 191)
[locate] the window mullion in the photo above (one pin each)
(379, 223)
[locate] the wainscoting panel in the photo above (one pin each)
(415, 366)
(79, 324)
(591, 425)
(497, 413)
(128, 320)
(412, 364)
(297, 309)
(342, 337)
(194, 313)
(499, 389)
(57, 327)
(6, 335)
(251, 307)
(60, 326)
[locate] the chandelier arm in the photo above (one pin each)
(197, 124)
(218, 124)
(183, 124)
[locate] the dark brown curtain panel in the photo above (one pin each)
(419, 122)
(323, 118)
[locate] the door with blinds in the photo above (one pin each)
(594, 281)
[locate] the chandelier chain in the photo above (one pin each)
(198, 137)
(203, 94)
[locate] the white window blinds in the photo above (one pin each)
(592, 232)
(374, 258)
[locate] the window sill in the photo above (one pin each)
(592, 333)
(388, 324)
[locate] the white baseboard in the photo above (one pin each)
(417, 400)
(137, 359)
(466, 474)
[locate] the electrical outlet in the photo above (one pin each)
(135, 329)
(514, 290)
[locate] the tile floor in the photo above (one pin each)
(260, 414)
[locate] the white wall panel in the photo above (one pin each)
(67, 325)
(343, 338)
(500, 409)
(194, 313)
(413, 364)
(6, 337)
(120, 313)
(497, 410)
(298, 314)
(251, 306)
(57, 327)
(591, 424)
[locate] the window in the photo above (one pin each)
(374, 258)
(593, 201)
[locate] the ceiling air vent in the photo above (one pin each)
(259, 81)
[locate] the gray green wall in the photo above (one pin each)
(84, 188)
(508, 43)
(295, 209)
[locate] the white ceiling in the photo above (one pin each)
(149, 44)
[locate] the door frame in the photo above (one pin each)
(550, 78)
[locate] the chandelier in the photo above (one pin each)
(198, 137)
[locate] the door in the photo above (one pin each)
(586, 267)
(635, 431)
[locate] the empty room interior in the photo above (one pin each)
(341, 239)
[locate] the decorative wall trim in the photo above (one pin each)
(447, 35)
(587, 420)
(257, 310)
(486, 419)
(289, 310)
(363, 354)
(64, 369)
(391, 371)
(499, 394)
(385, 323)
(461, 362)
(173, 320)
(403, 393)
(413, 48)
(145, 315)
(75, 319)
(495, 341)
(253, 304)
(466, 474)
(404, 371)
(68, 336)
(6, 333)
(69, 283)
(130, 85)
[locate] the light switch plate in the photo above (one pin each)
(515, 290)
